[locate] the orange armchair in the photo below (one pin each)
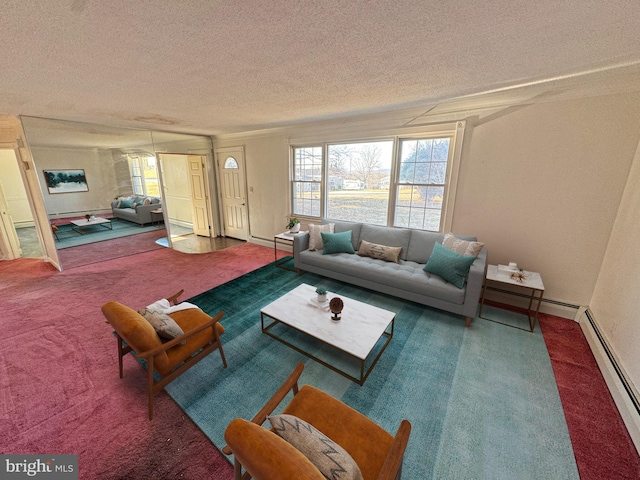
(168, 358)
(264, 455)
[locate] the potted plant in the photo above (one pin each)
(294, 225)
(322, 294)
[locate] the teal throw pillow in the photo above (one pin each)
(449, 265)
(337, 242)
(126, 203)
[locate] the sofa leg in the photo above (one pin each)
(468, 321)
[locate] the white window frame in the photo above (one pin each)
(453, 130)
(136, 161)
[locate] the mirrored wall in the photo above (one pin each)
(86, 171)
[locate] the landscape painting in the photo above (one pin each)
(66, 181)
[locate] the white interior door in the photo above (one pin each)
(198, 196)
(8, 235)
(231, 173)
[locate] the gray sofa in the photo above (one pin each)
(405, 279)
(140, 214)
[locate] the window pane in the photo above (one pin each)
(359, 178)
(306, 198)
(308, 163)
(231, 163)
(423, 171)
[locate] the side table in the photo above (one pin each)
(501, 274)
(157, 211)
(284, 238)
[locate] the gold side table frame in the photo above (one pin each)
(532, 281)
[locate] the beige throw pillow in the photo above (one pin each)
(463, 247)
(315, 239)
(330, 458)
(163, 324)
(382, 252)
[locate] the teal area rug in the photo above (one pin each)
(482, 401)
(121, 228)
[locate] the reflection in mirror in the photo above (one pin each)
(119, 213)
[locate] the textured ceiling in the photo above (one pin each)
(218, 67)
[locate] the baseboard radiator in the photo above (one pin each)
(622, 389)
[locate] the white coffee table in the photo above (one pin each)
(356, 334)
(80, 225)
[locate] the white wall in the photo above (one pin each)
(99, 171)
(539, 184)
(267, 170)
(616, 297)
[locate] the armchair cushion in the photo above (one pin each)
(163, 324)
(345, 426)
(263, 452)
(329, 457)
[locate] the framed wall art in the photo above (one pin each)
(66, 181)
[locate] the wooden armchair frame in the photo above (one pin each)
(149, 355)
(392, 466)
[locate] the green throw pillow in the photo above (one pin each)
(337, 242)
(126, 203)
(449, 265)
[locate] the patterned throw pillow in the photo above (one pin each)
(328, 457)
(373, 250)
(463, 247)
(163, 324)
(337, 242)
(449, 265)
(315, 239)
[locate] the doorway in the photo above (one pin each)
(233, 197)
(16, 217)
(186, 209)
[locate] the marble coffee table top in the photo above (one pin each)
(356, 333)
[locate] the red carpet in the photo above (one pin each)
(59, 385)
(60, 391)
(601, 443)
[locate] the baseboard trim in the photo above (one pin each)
(622, 390)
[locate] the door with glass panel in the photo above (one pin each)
(231, 172)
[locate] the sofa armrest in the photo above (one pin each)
(300, 244)
(475, 280)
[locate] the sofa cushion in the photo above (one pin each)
(449, 265)
(421, 245)
(126, 203)
(337, 242)
(344, 226)
(329, 457)
(405, 275)
(463, 247)
(397, 237)
(315, 239)
(383, 252)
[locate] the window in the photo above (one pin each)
(421, 184)
(403, 180)
(358, 186)
(307, 181)
(230, 163)
(144, 175)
